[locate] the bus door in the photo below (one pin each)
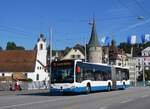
(113, 75)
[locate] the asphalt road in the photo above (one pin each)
(132, 98)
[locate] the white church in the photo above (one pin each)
(25, 64)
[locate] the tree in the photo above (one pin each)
(12, 46)
(1, 48)
(125, 46)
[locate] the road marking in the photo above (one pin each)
(126, 101)
(31, 103)
(104, 107)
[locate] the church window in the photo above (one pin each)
(41, 46)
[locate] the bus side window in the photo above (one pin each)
(99, 76)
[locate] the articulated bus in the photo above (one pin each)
(78, 76)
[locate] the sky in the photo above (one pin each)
(21, 21)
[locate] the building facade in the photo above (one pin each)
(74, 53)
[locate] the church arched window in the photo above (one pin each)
(41, 46)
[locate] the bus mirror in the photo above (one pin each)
(78, 70)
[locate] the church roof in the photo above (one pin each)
(94, 39)
(17, 61)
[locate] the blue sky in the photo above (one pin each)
(22, 21)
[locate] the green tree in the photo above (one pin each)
(125, 46)
(1, 48)
(146, 45)
(12, 46)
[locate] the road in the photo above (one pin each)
(132, 98)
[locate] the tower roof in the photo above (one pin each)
(41, 37)
(94, 39)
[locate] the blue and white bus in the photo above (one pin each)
(78, 76)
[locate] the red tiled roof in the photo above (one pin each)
(17, 61)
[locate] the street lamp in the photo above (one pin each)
(140, 17)
(143, 71)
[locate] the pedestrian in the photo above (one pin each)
(15, 86)
(44, 84)
(10, 87)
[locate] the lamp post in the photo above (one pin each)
(50, 58)
(141, 18)
(143, 71)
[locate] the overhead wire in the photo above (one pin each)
(120, 2)
(144, 10)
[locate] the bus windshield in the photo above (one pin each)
(62, 72)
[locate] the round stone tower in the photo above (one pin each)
(94, 50)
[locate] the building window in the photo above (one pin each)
(119, 64)
(41, 46)
(37, 76)
(72, 56)
(78, 56)
(3, 74)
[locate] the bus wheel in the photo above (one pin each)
(124, 86)
(88, 88)
(109, 87)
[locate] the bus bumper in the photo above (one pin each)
(67, 90)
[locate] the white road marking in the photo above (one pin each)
(104, 107)
(38, 102)
(126, 101)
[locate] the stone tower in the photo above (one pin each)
(94, 51)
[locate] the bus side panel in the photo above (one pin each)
(99, 85)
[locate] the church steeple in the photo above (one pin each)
(94, 39)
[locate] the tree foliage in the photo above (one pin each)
(125, 46)
(136, 47)
(13, 46)
(1, 48)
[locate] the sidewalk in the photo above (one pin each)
(23, 92)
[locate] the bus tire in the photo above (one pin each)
(124, 86)
(109, 87)
(88, 88)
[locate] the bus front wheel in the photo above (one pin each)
(109, 87)
(88, 88)
(124, 86)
